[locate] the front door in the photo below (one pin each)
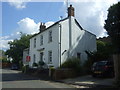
(41, 56)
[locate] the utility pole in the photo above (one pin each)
(67, 5)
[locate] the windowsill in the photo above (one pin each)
(50, 63)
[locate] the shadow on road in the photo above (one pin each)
(16, 77)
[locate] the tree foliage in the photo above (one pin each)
(104, 51)
(112, 25)
(17, 46)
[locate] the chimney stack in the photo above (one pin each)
(42, 27)
(70, 11)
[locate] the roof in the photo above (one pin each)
(50, 26)
(60, 21)
(82, 28)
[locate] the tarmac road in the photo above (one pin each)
(15, 79)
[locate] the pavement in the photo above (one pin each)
(88, 82)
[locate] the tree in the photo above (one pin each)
(104, 51)
(3, 58)
(112, 25)
(17, 46)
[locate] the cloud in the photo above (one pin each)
(28, 25)
(92, 14)
(5, 39)
(19, 4)
(49, 23)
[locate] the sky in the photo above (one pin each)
(26, 15)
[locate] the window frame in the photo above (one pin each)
(50, 36)
(34, 42)
(41, 40)
(49, 57)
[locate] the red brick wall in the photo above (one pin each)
(63, 73)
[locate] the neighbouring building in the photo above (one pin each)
(26, 57)
(64, 39)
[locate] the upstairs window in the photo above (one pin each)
(50, 57)
(34, 42)
(41, 40)
(50, 36)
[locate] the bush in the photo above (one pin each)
(35, 64)
(25, 68)
(87, 66)
(73, 63)
(41, 63)
(20, 64)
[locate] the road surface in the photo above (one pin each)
(15, 79)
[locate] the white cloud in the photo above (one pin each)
(92, 14)
(25, 25)
(5, 39)
(29, 26)
(49, 23)
(19, 4)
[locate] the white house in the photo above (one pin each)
(62, 40)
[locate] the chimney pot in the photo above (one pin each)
(70, 11)
(42, 27)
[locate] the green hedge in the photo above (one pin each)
(25, 69)
(73, 63)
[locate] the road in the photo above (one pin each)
(15, 79)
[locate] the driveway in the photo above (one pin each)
(15, 79)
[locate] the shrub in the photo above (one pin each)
(20, 64)
(87, 66)
(35, 64)
(41, 63)
(73, 63)
(25, 68)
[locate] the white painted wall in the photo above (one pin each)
(49, 46)
(81, 40)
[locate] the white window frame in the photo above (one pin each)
(41, 40)
(50, 57)
(34, 42)
(50, 36)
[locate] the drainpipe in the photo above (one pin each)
(60, 44)
(70, 36)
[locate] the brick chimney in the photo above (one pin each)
(42, 27)
(70, 11)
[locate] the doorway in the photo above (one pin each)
(41, 56)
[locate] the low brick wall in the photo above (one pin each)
(63, 74)
(5, 65)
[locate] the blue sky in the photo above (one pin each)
(40, 12)
(22, 16)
